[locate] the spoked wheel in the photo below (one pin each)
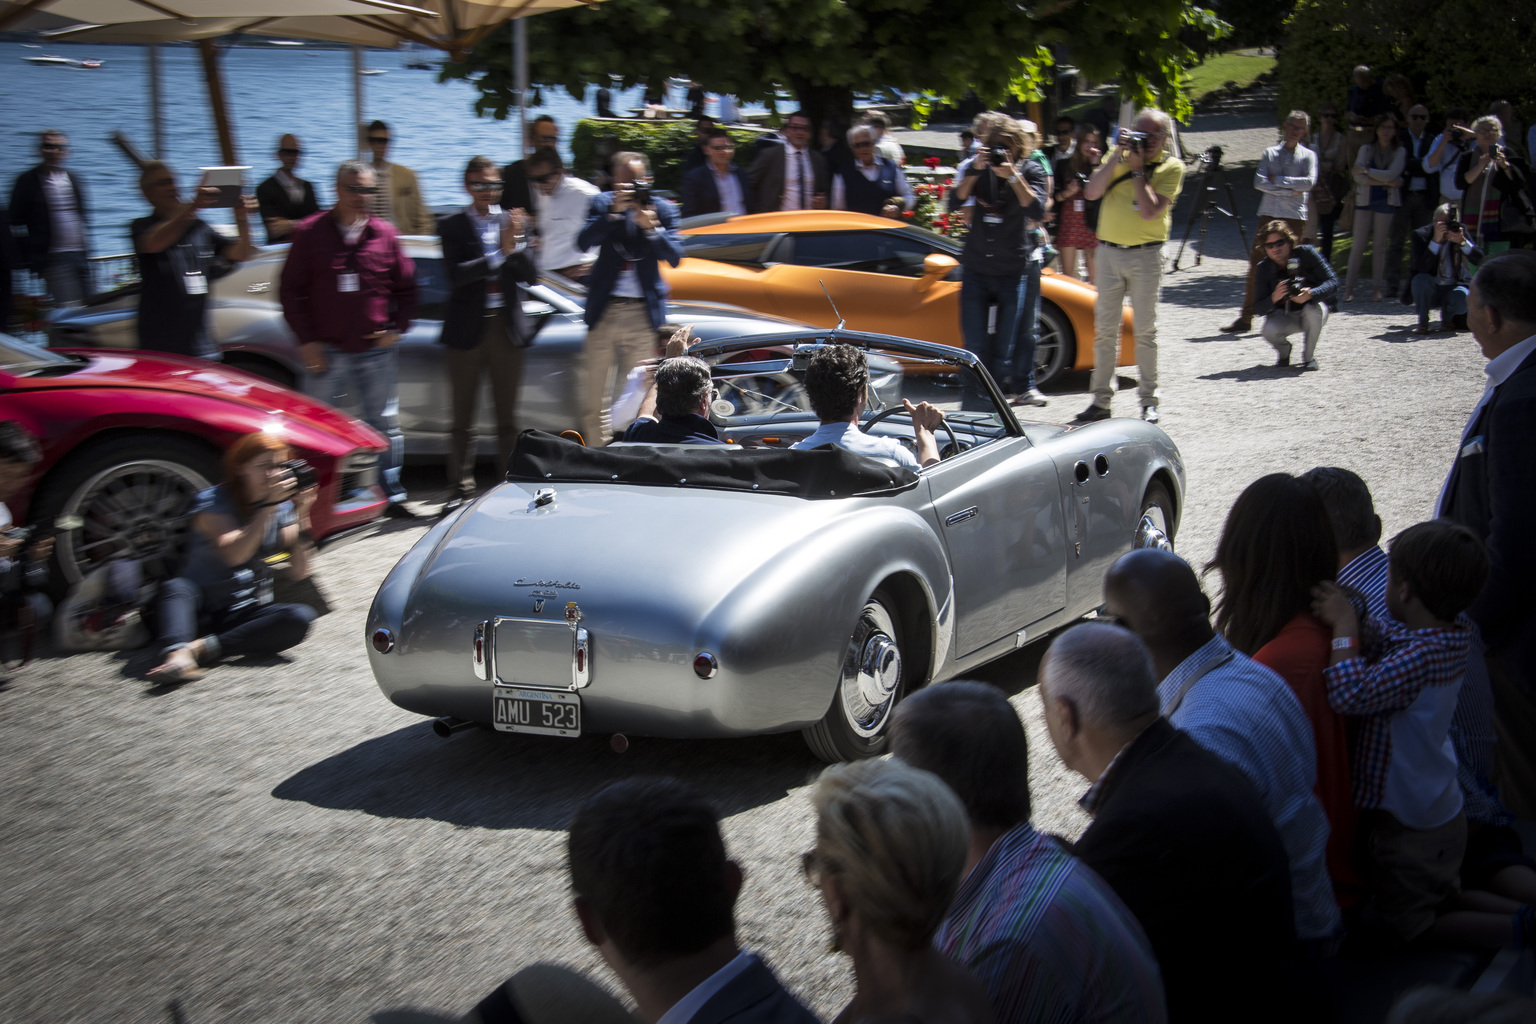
(872, 682)
(125, 498)
(1156, 524)
(1055, 344)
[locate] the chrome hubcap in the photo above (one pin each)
(1152, 531)
(871, 671)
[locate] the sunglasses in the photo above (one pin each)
(485, 186)
(378, 140)
(546, 140)
(53, 146)
(723, 148)
(363, 190)
(1277, 245)
(863, 145)
(291, 152)
(795, 126)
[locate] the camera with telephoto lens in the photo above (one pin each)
(1294, 282)
(303, 474)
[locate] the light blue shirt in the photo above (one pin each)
(848, 435)
(1246, 715)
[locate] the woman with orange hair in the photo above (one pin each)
(221, 604)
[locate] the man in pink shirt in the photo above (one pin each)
(349, 293)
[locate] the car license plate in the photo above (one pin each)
(546, 712)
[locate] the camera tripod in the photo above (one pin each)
(1211, 176)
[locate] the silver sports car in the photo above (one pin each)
(707, 591)
(248, 326)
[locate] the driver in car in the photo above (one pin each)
(837, 381)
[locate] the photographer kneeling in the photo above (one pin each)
(221, 603)
(1443, 260)
(1292, 288)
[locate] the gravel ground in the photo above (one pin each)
(277, 842)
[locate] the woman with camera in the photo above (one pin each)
(1493, 180)
(1292, 289)
(1003, 191)
(221, 604)
(1074, 235)
(1378, 173)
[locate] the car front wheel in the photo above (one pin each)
(126, 497)
(872, 681)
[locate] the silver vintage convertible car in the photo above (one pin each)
(709, 591)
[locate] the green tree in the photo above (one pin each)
(1455, 52)
(824, 51)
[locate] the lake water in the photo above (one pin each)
(271, 91)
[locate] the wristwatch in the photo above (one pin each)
(1138, 174)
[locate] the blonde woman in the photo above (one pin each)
(890, 848)
(1378, 174)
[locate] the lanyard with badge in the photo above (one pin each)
(184, 260)
(348, 278)
(490, 241)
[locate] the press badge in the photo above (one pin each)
(195, 282)
(992, 218)
(346, 282)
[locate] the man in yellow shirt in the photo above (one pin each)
(1137, 184)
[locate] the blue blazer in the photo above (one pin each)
(617, 240)
(701, 194)
(753, 997)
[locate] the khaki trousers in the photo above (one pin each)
(1137, 273)
(615, 344)
(1258, 254)
(496, 358)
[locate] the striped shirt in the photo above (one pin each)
(1472, 733)
(1048, 939)
(1406, 692)
(1245, 714)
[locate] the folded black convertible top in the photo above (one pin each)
(825, 472)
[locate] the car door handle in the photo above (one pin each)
(962, 516)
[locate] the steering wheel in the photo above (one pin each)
(954, 442)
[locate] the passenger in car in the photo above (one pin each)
(837, 382)
(676, 408)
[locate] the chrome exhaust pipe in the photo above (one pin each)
(447, 726)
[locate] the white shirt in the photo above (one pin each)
(1447, 166)
(871, 172)
(561, 218)
(848, 435)
(686, 1008)
(489, 230)
(1498, 370)
(729, 189)
(797, 162)
(67, 236)
(887, 146)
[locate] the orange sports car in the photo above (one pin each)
(883, 275)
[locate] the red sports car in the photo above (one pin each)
(129, 437)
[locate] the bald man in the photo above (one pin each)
(1237, 709)
(285, 198)
(1178, 833)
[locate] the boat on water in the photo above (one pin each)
(92, 62)
(52, 60)
(374, 71)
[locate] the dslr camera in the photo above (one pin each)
(1454, 227)
(639, 191)
(1131, 139)
(997, 155)
(1294, 282)
(18, 533)
(303, 474)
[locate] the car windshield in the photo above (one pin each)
(19, 358)
(762, 396)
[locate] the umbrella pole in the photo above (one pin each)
(218, 100)
(156, 110)
(520, 82)
(357, 95)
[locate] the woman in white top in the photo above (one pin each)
(1378, 174)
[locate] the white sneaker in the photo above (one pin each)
(1030, 397)
(1150, 413)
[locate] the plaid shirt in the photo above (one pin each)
(1400, 667)
(1049, 940)
(1244, 713)
(1472, 725)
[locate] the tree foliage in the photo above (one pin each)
(1456, 52)
(824, 51)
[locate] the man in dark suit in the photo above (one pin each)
(285, 198)
(1490, 490)
(719, 186)
(655, 893)
(542, 132)
(633, 232)
(1440, 271)
(48, 202)
(793, 176)
(484, 329)
(1179, 834)
(698, 156)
